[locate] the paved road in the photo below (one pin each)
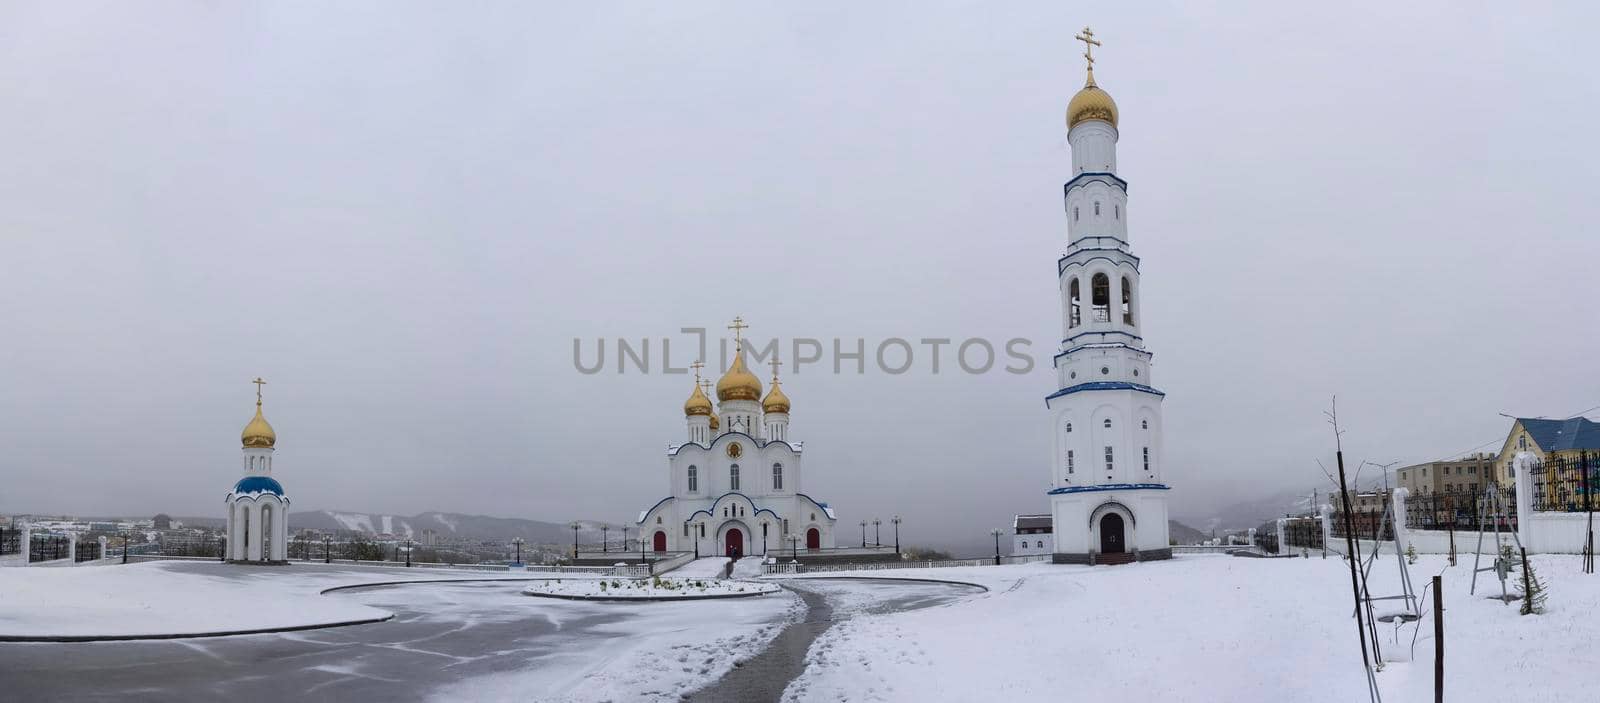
(442, 635)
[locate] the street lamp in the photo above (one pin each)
(605, 538)
(124, 547)
(877, 534)
(996, 532)
(896, 521)
(574, 527)
(625, 538)
(327, 550)
(863, 534)
(693, 538)
(793, 545)
(408, 553)
(518, 542)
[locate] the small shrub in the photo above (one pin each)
(1411, 554)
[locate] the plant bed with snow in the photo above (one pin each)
(651, 589)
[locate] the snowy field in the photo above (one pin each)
(185, 597)
(648, 589)
(1206, 628)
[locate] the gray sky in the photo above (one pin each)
(401, 215)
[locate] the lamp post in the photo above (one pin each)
(863, 534)
(518, 543)
(605, 538)
(327, 550)
(793, 545)
(693, 538)
(223, 552)
(877, 533)
(896, 521)
(641, 546)
(625, 538)
(408, 553)
(996, 532)
(574, 527)
(124, 547)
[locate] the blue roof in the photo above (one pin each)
(258, 484)
(1560, 435)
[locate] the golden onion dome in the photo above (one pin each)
(697, 404)
(776, 401)
(715, 423)
(738, 383)
(258, 434)
(1091, 103)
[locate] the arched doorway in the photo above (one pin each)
(813, 538)
(733, 543)
(660, 541)
(1111, 540)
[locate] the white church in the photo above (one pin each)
(735, 486)
(258, 510)
(1108, 501)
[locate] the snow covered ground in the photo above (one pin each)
(187, 597)
(1205, 628)
(702, 568)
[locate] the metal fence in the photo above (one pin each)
(49, 548)
(1367, 525)
(87, 550)
(1303, 532)
(1458, 511)
(10, 541)
(1564, 484)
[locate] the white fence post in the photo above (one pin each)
(27, 544)
(102, 547)
(72, 547)
(1283, 541)
(1401, 539)
(1522, 467)
(1251, 540)
(1325, 513)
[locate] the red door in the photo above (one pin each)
(813, 539)
(733, 543)
(661, 541)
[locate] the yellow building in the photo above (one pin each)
(1546, 439)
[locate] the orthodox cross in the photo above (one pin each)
(1089, 43)
(775, 365)
(738, 326)
(697, 365)
(259, 383)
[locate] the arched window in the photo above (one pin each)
(1039, 544)
(733, 477)
(1108, 423)
(1116, 211)
(694, 479)
(1110, 463)
(777, 477)
(1069, 427)
(1127, 302)
(1074, 213)
(1147, 460)
(1074, 303)
(1100, 292)
(1144, 424)
(1096, 208)
(1069, 462)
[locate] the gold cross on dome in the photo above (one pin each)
(259, 383)
(697, 365)
(1089, 43)
(738, 326)
(775, 364)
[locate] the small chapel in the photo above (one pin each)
(735, 486)
(1108, 497)
(258, 510)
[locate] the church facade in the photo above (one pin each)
(258, 509)
(736, 486)
(1108, 500)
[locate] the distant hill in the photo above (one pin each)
(455, 526)
(1184, 534)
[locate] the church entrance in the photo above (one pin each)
(1111, 540)
(733, 543)
(660, 541)
(813, 538)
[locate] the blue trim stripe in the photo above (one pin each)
(1103, 386)
(1126, 334)
(1090, 176)
(1116, 345)
(1110, 487)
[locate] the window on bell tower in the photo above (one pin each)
(1074, 304)
(1127, 302)
(1100, 290)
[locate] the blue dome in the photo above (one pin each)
(258, 484)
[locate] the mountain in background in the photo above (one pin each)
(449, 526)
(1184, 534)
(1247, 514)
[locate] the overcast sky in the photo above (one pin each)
(402, 214)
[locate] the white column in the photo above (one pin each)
(27, 543)
(1325, 515)
(1523, 466)
(102, 547)
(72, 547)
(1251, 540)
(1283, 542)
(280, 551)
(1401, 538)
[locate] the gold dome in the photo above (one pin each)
(738, 383)
(1091, 103)
(258, 434)
(776, 401)
(697, 404)
(715, 423)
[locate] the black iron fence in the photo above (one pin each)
(10, 541)
(49, 548)
(1459, 511)
(87, 550)
(1362, 525)
(1565, 484)
(1304, 532)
